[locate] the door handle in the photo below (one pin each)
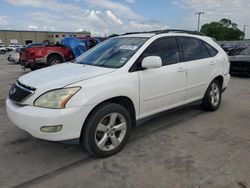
(212, 62)
(181, 69)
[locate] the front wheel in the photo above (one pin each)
(106, 130)
(212, 98)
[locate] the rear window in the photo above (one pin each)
(212, 51)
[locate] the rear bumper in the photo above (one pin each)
(33, 63)
(226, 79)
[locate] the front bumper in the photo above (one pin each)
(31, 119)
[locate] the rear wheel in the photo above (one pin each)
(212, 97)
(106, 130)
(54, 60)
(33, 68)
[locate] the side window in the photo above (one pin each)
(193, 49)
(213, 52)
(204, 50)
(166, 48)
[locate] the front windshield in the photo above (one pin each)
(113, 53)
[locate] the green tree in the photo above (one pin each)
(225, 29)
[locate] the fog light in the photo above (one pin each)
(51, 129)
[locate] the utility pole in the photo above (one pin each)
(244, 31)
(199, 19)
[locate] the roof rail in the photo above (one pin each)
(167, 31)
(141, 32)
(181, 31)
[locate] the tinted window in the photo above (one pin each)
(193, 49)
(213, 52)
(204, 50)
(166, 48)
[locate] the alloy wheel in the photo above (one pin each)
(215, 94)
(110, 131)
(55, 62)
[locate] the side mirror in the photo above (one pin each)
(151, 62)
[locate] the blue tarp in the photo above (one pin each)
(77, 46)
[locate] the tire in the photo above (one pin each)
(212, 98)
(54, 60)
(103, 136)
(33, 67)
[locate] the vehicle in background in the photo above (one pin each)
(3, 49)
(35, 57)
(240, 64)
(14, 57)
(12, 47)
(79, 45)
(30, 46)
(99, 97)
(41, 56)
(234, 48)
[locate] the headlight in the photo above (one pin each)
(56, 98)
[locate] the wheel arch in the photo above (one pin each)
(127, 103)
(124, 101)
(220, 79)
(54, 53)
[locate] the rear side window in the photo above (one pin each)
(213, 52)
(166, 48)
(193, 49)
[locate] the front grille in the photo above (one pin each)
(19, 92)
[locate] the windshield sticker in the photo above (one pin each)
(123, 60)
(128, 47)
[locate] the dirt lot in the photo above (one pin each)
(179, 149)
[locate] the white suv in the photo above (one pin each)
(100, 95)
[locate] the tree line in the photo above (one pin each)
(225, 29)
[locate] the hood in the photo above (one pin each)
(61, 75)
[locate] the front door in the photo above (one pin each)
(162, 88)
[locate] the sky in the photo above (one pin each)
(105, 17)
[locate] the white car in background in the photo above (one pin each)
(3, 48)
(101, 95)
(14, 57)
(13, 47)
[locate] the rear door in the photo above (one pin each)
(199, 64)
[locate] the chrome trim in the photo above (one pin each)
(31, 93)
(16, 82)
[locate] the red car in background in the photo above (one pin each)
(42, 56)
